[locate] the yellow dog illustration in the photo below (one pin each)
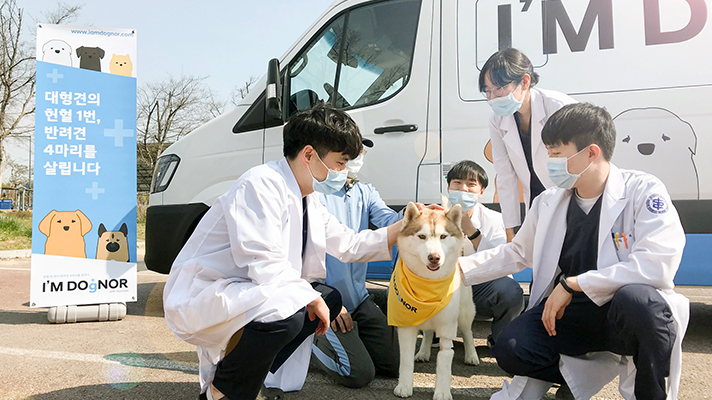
(65, 232)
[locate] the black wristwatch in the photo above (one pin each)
(562, 281)
(474, 235)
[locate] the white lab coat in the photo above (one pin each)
(243, 263)
(510, 163)
(491, 227)
(652, 257)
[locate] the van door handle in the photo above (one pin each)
(395, 128)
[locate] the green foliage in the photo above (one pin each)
(12, 225)
(15, 230)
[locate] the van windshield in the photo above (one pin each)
(360, 58)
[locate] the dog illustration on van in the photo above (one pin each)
(112, 245)
(657, 141)
(65, 232)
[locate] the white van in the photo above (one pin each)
(406, 71)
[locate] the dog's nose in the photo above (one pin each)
(56, 51)
(66, 228)
(112, 247)
(434, 258)
(646, 149)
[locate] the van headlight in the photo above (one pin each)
(165, 169)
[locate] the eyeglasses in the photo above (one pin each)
(496, 91)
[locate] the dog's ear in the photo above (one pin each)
(86, 224)
(101, 229)
(101, 52)
(124, 229)
(455, 215)
(79, 51)
(411, 211)
(46, 222)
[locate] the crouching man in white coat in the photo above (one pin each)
(240, 288)
(604, 247)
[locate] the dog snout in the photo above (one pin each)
(112, 247)
(646, 149)
(56, 51)
(434, 258)
(66, 227)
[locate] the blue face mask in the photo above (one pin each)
(505, 106)
(467, 200)
(559, 172)
(334, 181)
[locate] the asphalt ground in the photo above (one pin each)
(139, 358)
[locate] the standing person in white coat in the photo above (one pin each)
(604, 247)
(501, 299)
(508, 82)
(244, 288)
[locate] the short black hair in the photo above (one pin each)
(582, 124)
(467, 169)
(325, 128)
(506, 66)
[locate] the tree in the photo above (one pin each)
(239, 93)
(17, 70)
(169, 110)
(19, 176)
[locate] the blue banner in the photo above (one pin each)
(85, 174)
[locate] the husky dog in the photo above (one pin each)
(429, 244)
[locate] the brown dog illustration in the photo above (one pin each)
(65, 232)
(113, 245)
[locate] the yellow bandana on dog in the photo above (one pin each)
(412, 299)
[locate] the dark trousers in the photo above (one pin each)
(380, 339)
(501, 299)
(636, 322)
(355, 357)
(264, 347)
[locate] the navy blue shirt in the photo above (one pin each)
(580, 250)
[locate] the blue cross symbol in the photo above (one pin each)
(94, 190)
(119, 133)
(55, 76)
(658, 204)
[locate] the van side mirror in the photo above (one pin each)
(273, 95)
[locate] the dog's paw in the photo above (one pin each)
(442, 395)
(403, 390)
(472, 360)
(422, 356)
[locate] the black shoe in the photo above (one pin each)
(564, 393)
(490, 342)
(270, 394)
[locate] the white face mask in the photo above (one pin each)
(505, 106)
(354, 166)
(559, 171)
(334, 181)
(467, 200)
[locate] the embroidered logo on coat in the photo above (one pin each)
(656, 204)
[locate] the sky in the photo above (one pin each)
(226, 41)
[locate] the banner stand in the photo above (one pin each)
(84, 255)
(86, 313)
